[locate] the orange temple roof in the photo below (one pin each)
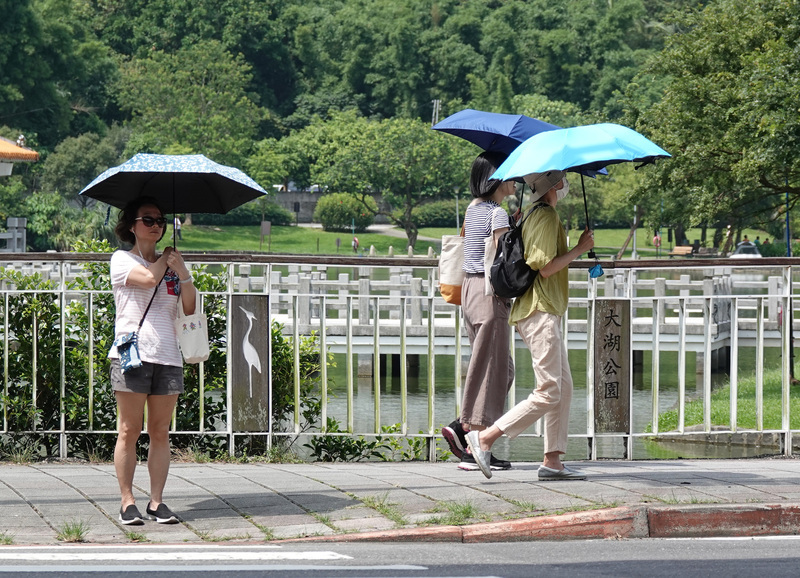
(11, 152)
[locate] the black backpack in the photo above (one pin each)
(510, 274)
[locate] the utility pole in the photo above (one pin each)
(789, 254)
(458, 216)
(437, 106)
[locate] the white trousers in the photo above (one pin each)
(552, 396)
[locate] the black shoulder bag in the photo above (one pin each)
(510, 274)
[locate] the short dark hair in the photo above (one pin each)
(484, 167)
(127, 219)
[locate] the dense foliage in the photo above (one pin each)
(728, 113)
(249, 214)
(441, 213)
(338, 93)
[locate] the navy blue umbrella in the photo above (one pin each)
(180, 184)
(493, 131)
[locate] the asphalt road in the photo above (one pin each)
(709, 558)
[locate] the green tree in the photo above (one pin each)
(53, 72)
(726, 113)
(254, 29)
(269, 163)
(204, 108)
(403, 161)
(76, 161)
(54, 224)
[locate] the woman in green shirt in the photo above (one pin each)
(538, 315)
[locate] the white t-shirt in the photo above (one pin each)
(158, 341)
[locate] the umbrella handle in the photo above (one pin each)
(590, 254)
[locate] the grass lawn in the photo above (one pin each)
(609, 241)
(746, 414)
(312, 241)
(287, 240)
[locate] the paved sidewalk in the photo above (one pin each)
(407, 501)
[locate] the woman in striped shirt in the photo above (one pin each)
(491, 367)
(148, 288)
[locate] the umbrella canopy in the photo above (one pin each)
(578, 149)
(493, 131)
(180, 184)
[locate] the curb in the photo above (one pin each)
(614, 523)
(725, 521)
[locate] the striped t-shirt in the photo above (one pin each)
(481, 221)
(158, 340)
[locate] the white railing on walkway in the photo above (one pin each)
(377, 313)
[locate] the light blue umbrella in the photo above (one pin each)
(579, 149)
(180, 184)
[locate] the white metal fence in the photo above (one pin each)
(401, 351)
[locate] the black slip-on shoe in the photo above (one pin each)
(468, 463)
(131, 516)
(498, 464)
(162, 514)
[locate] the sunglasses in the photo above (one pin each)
(150, 221)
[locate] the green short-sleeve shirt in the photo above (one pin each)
(544, 239)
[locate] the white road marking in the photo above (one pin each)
(167, 556)
(212, 569)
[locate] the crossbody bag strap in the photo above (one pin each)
(151, 302)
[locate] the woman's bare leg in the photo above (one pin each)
(159, 416)
(130, 409)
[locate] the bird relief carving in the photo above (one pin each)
(250, 353)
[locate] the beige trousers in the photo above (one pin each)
(552, 397)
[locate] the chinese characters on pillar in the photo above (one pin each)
(612, 379)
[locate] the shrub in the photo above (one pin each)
(32, 399)
(439, 213)
(777, 249)
(247, 214)
(342, 212)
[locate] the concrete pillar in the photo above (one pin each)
(365, 365)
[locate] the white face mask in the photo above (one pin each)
(562, 192)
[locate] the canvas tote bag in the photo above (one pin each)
(451, 267)
(192, 335)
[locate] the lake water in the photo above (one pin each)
(529, 448)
